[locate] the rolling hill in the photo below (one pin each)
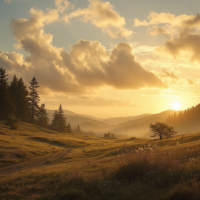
(140, 127)
(37, 163)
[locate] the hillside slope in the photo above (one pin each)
(38, 164)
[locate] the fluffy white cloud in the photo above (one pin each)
(86, 67)
(183, 32)
(94, 66)
(163, 18)
(102, 15)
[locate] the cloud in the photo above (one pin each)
(187, 41)
(87, 67)
(160, 31)
(62, 5)
(89, 101)
(94, 66)
(7, 1)
(183, 32)
(190, 82)
(163, 18)
(170, 75)
(102, 15)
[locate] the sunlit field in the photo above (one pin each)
(37, 163)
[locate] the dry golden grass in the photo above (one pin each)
(37, 163)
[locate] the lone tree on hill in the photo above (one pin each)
(162, 130)
(34, 98)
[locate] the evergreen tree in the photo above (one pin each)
(54, 123)
(62, 119)
(34, 99)
(59, 120)
(78, 129)
(69, 129)
(7, 107)
(14, 90)
(43, 118)
(22, 104)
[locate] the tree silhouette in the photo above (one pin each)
(78, 129)
(43, 118)
(22, 104)
(14, 90)
(186, 121)
(59, 120)
(162, 130)
(69, 129)
(34, 98)
(7, 107)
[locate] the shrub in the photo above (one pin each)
(12, 122)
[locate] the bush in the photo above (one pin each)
(12, 122)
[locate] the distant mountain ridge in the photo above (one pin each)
(140, 127)
(183, 121)
(119, 120)
(75, 118)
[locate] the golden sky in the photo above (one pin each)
(104, 58)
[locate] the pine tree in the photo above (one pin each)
(34, 99)
(22, 104)
(7, 107)
(78, 129)
(13, 89)
(69, 129)
(62, 119)
(59, 120)
(54, 123)
(43, 118)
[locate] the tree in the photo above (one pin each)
(22, 104)
(78, 129)
(43, 118)
(162, 130)
(6, 103)
(109, 135)
(34, 99)
(59, 120)
(69, 129)
(14, 90)
(54, 123)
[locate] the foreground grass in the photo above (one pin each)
(96, 168)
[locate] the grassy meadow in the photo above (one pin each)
(36, 163)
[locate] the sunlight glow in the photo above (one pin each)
(176, 105)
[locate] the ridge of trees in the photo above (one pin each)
(181, 120)
(19, 102)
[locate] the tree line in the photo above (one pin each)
(186, 121)
(21, 102)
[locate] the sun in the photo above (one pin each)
(176, 105)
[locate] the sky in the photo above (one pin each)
(105, 58)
